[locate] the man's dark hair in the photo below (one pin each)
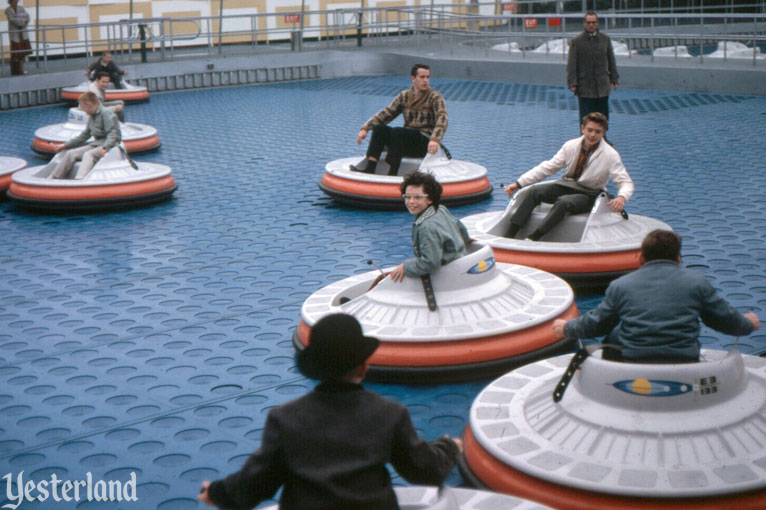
(598, 118)
(106, 52)
(414, 69)
(661, 245)
(430, 185)
(590, 13)
(101, 74)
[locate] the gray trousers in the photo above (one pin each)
(565, 200)
(87, 153)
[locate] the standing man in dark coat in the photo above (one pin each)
(591, 68)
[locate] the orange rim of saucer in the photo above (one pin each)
(105, 191)
(572, 263)
(460, 352)
(5, 181)
(503, 478)
(125, 95)
(391, 189)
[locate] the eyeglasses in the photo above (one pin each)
(591, 22)
(414, 197)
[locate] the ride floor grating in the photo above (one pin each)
(156, 340)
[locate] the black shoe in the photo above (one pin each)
(369, 168)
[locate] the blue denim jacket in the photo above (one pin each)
(655, 312)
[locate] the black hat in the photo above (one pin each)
(336, 345)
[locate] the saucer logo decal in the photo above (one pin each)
(483, 266)
(651, 388)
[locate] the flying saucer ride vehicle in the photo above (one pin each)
(507, 47)
(553, 47)
(736, 50)
(624, 435)
(677, 51)
(584, 249)
(129, 93)
(463, 182)
(115, 181)
(8, 166)
(137, 138)
(470, 319)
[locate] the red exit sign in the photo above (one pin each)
(292, 18)
(530, 22)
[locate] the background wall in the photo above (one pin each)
(54, 13)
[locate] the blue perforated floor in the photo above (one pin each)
(155, 340)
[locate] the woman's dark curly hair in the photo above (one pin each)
(430, 185)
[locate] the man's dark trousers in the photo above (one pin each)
(565, 200)
(116, 79)
(114, 76)
(593, 104)
(400, 142)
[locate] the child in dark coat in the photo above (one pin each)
(329, 448)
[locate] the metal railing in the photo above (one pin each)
(163, 36)
(642, 34)
(137, 40)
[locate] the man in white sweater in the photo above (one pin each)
(590, 163)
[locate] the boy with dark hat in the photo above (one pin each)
(329, 448)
